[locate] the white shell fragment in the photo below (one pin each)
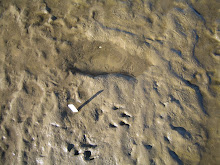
(72, 108)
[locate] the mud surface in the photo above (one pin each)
(144, 76)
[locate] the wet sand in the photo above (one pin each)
(144, 76)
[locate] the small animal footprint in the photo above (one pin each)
(123, 123)
(118, 106)
(87, 155)
(124, 115)
(113, 125)
(85, 149)
(72, 147)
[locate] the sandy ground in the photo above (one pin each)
(144, 74)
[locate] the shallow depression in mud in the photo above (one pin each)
(97, 58)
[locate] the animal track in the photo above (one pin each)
(70, 147)
(76, 152)
(123, 123)
(84, 147)
(124, 115)
(87, 155)
(147, 146)
(113, 125)
(87, 145)
(118, 106)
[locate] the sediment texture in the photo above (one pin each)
(143, 74)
